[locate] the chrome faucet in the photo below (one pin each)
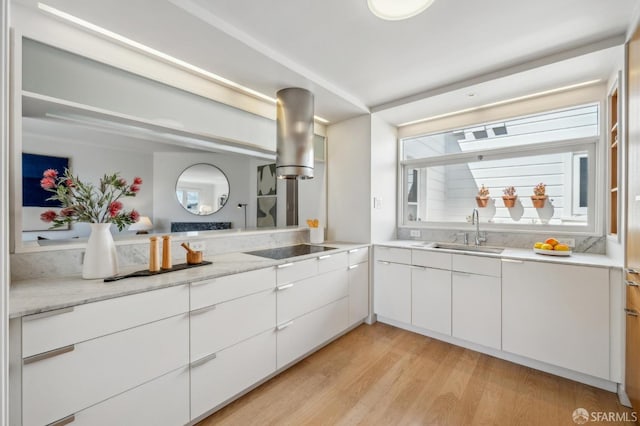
(475, 220)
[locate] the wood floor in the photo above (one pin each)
(381, 375)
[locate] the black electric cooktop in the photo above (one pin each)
(279, 253)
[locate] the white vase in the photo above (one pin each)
(100, 259)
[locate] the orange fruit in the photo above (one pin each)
(561, 247)
(547, 247)
(552, 241)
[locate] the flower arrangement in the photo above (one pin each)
(84, 202)
(539, 195)
(509, 196)
(483, 196)
(540, 190)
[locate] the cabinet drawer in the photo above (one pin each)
(217, 290)
(393, 254)
(95, 370)
(62, 327)
(431, 259)
(160, 402)
(333, 262)
(216, 327)
(476, 265)
(358, 255)
(296, 271)
(358, 292)
(299, 298)
(216, 379)
(303, 334)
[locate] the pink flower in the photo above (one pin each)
(48, 216)
(137, 180)
(67, 211)
(114, 208)
(134, 215)
(48, 183)
(134, 188)
(50, 173)
(69, 183)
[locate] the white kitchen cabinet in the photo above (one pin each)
(476, 306)
(431, 299)
(392, 290)
(358, 255)
(332, 262)
(54, 329)
(299, 336)
(358, 292)
(62, 382)
(210, 292)
(222, 375)
(299, 298)
(160, 402)
(216, 327)
(393, 254)
(558, 314)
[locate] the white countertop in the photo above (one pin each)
(39, 295)
(584, 259)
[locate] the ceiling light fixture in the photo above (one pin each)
(163, 56)
(396, 10)
(506, 101)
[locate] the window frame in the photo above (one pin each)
(569, 146)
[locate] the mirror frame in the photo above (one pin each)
(223, 174)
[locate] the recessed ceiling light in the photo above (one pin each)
(395, 10)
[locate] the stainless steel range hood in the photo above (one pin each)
(294, 152)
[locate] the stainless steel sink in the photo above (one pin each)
(462, 247)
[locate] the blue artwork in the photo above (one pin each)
(33, 165)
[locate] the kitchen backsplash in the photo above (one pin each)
(69, 262)
(595, 245)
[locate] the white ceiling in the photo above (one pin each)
(354, 61)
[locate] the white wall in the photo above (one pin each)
(240, 171)
(312, 202)
(4, 213)
(349, 180)
(384, 176)
(90, 163)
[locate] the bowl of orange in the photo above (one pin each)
(552, 247)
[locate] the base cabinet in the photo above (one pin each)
(358, 292)
(161, 402)
(299, 336)
(431, 299)
(557, 314)
(475, 309)
(392, 292)
(220, 376)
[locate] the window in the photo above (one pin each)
(443, 172)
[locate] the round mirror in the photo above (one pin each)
(202, 189)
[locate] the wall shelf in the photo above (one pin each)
(613, 107)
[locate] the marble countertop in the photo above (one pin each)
(40, 295)
(584, 259)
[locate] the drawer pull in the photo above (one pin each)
(65, 421)
(354, 250)
(384, 262)
(284, 287)
(284, 265)
(203, 360)
(196, 283)
(632, 271)
(48, 314)
(283, 326)
(326, 256)
(461, 274)
(631, 312)
(203, 310)
(50, 354)
(512, 261)
(353, 266)
(632, 283)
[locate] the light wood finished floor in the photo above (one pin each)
(381, 375)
